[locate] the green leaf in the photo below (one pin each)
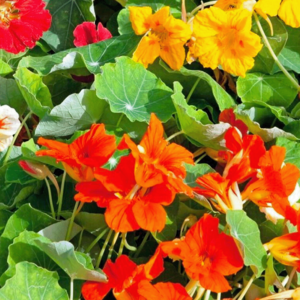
(77, 60)
(267, 134)
(206, 87)
(27, 218)
(170, 230)
(271, 278)
(290, 54)
(124, 22)
(28, 150)
(193, 172)
(91, 222)
(293, 128)
(11, 95)
(15, 174)
(275, 89)
(32, 282)
(66, 15)
(131, 89)
(247, 233)
(264, 62)
(34, 91)
(196, 124)
(57, 232)
(64, 255)
(4, 216)
(76, 112)
(5, 68)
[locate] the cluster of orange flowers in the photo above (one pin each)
(218, 36)
(135, 192)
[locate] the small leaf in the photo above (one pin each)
(275, 89)
(196, 124)
(34, 91)
(64, 255)
(32, 282)
(246, 231)
(131, 89)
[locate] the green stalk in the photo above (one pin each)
(14, 139)
(61, 194)
(96, 240)
(103, 248)
(75, 212)
(281, 67)
(246, 288)
(140, 248)
(111, 248)
(50, 198)
(174, 135)
(192, 90)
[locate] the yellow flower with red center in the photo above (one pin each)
(164, 36)
(225, 38)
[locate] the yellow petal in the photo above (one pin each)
(229, 4)
(160, 17)
(147, 51)
(139, 18)
(289, 12)
(267, 7)
(173, 55)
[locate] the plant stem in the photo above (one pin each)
(80, 238)
(50, 198)
(122, 244)
(281, 67)
(246, 288)
(71, 288)
(174, 135)
(96, 240)
(103, 248)
(111, 248)
(207, 294)
(119, 121)
(200, 293)
(61, 194)
(14, 139)
(27, 129)
(200, 158)
(219, 296)
(140, 248)
(191, 285)
(291, 278)
(192, 90)
(70, 227)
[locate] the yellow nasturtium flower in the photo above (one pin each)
(164, 36)
(289, 12)
(224, 38)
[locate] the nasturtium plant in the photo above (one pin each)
(149, 149)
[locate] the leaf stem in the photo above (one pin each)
(123, 241)
(76, 210)
(207, 294)
(281, 67)
(111, 248)
(140, 248)
(291, 278)
(61, 194)
(120, 119)
(174, 135)
(96, 240)
(27, 129)
(50, 198)
(200, 293)
(14, 139)
(192, 90)
(246, 288)
(71, 288)
(103, 248)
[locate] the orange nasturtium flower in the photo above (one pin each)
(157, 161)
(164, 36)
(224, 38)
(91, 150)
(207, 255)
(129, 206)
(124, 277)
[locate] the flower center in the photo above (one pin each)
(8, 12)
(161, 32)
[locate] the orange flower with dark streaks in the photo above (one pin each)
(207, 255)
(157, 161)
(129, 206)
(124, 277)
(91, 150)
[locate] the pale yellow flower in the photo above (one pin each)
(289, 12)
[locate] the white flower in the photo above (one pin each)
(9, 124)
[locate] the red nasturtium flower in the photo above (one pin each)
(162, 291)
(129, 206)
(91, 150)
(22, 23)
(124, 277)
(86, 34)
(207, 255)
(157, 161)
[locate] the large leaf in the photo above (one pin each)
(66, 15)
(267, 134)
(90, 57)
(246, 231)
(275, 89)
(205, 86)
(76, 112)
(11, 95)
(290, 54)
(131, 89)
(264, 62)
(64, 255)
(32, 282)
(34, 91)
(196, 124)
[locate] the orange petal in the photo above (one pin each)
(95, 290)
(139, 18)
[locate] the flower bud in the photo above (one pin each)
(34, 169)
